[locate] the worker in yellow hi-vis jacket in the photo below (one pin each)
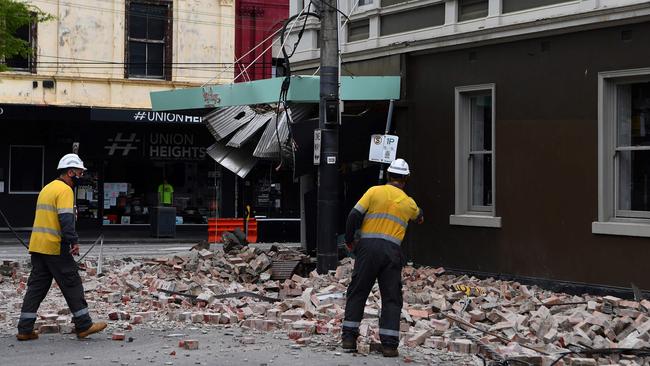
(52, 244)
(383, 214)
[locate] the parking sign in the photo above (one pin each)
(383, 148)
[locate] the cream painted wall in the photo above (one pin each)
(93, 30)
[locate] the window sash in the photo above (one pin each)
(466, 154)
(151, 71)
(619, 148)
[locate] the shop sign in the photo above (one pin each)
(122, 115)
(174, 146)
(122, 144)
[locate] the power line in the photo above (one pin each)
(176, 9)
(159, 17)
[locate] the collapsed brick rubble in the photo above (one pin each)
(499, 320)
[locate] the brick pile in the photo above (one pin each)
(498, 319)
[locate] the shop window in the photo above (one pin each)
(26, 63)
(410, 20)
(516, 5)
(25, 169)
(149, 39)
(358, 30)
(624, 153)
(472, 9)
(475, 114)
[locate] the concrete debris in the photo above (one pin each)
(460, 314)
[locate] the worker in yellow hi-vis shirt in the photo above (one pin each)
(52, 244)
(383, 214)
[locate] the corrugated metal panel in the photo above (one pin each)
(246, 132)
(302, 111)
(237, 161)
(224, 121)
(268, 145)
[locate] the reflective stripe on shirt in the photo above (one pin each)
(387, 216)
(46, 207)
(46, 230)
(387, 237)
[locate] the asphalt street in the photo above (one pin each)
(217, 346)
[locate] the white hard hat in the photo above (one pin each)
(399, 166)
(71, 161)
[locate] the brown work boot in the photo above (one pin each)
(27, 336)
(96, 327)
(389, 351)
(349, 344)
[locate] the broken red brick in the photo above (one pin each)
(191, 344)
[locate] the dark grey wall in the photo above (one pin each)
(546, 157)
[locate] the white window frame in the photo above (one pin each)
(608, 222)
(465, 214)
(42, 147)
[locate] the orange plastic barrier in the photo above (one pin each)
(216, 227)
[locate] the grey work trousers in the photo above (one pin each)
(381, 260)
(63, 269)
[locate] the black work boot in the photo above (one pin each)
(389, 351)
(349, 343)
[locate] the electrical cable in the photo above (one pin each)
(12, 230)
(639, 352)
(150, 16)
(101, 236)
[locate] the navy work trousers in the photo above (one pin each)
(381, 260)
(63, 269)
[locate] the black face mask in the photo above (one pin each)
(76, 180)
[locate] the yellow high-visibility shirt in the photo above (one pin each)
(387, 213)
(55, 198)
(165, 193)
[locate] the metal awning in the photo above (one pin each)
(224, 121)
(303, 89)
(238, 161)
(235, 117)
(245, 133)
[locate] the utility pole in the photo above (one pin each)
(328, 123)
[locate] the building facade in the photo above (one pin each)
(86, 89)
(525, 125)
(257, 21)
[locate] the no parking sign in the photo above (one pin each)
(383, 148)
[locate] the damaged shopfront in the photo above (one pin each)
(128, 153)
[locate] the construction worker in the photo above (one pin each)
(52, 244)
(383, 214)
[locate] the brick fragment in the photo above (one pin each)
(118, 336)
(580, 361)
(417, 313)
(418, 338)
(48, 328)
(461, 346)
(114, 297)
(191, 344)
